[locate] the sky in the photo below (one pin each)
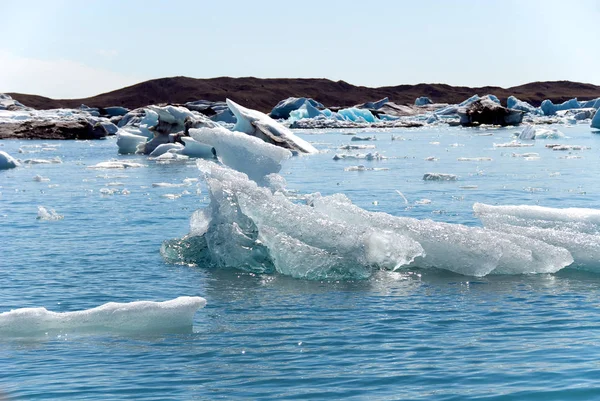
(75, 49)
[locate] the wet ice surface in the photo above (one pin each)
(417, 334)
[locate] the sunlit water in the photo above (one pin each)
(422, 334)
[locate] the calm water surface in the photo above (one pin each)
(416, 335)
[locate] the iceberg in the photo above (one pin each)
(125, 318)
(307, 110)
(550, 108)
(531, 132)
(439, 177)
(423, 101)
(7, 161)
(596, 120)
(357, 115)
(516, 104)
(166, 147)
(243, 152)
(255, 123)
(284, 108)
(128, 143)
(259, 230)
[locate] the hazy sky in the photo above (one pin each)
(67, 49)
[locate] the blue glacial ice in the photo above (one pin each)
(423, 101)
(550, 108)
(120, 318)
(284, 108)
(7, 161)
(516, 104)
(596, 120)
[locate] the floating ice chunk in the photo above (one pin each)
(550, 108)
(7, 161)
(260, 125)
(357, 156)
(243, 152)
(284, 108)
(526, 155)
(116, 164)
(531, 132)
(307, 110)
(108, 191)
(249, 228)
(578, 219)
(164, 148)
(516, 104)
(439, 177)
(356, 147)
(577, 230)
(168, 185)
(596, 120)
(357, 115)
(566, 147)
(461, 249)
(363, 168)
(363, 138)
(194, 148)
(128, 142)
(39, 178)
(423, 101)
(513, 144)
(423, 201)
(171, 196)
(474, 159)
(48, 214)
(56, 160)
(134, 317)
(431, 159)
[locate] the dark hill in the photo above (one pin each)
(263, 94)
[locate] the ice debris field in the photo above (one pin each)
(414, 192)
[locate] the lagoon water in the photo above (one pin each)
(410, 335)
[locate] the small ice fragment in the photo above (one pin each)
(48, 214)
(439, 177)
(39, 178)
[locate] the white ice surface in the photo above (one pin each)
(135, 317)
(243, 152)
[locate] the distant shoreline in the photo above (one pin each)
(263, 94)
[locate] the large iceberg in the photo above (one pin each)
(259, 230)
(255, 123)
(134, 317)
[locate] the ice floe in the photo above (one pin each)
(7, 161)
(140, 317)
(48, 214)
(116, 164)
(439, 177)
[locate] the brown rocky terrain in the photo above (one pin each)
(263, 94)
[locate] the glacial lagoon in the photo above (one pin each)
(405, 333)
